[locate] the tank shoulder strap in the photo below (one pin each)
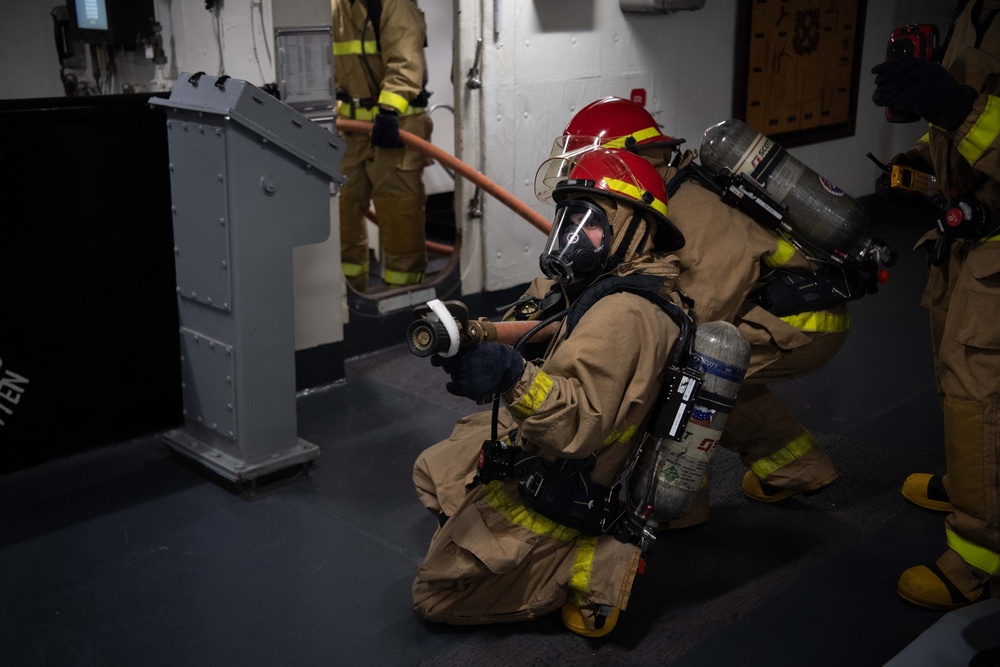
(643, 285)
(375, 14)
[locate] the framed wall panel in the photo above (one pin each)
(797, 68)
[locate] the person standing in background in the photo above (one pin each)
(380, 72)
(960, 99)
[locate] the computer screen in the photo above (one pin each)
(91, 14)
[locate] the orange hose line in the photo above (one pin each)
(461, 168)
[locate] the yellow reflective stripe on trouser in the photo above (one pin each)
(781, 255)
(641, 135)
(973, 554)
(356, 48)
(821, 321)
(532, 399)
(983, 133)
(787, 454)
(519, 515)
(353, 270)
(402, 277)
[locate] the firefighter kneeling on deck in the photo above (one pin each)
(581, 409)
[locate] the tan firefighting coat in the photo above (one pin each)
(494, 560)
(963, 296)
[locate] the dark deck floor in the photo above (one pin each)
(131, 555)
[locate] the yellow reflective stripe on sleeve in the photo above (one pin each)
(354, 48)
(821, 321)
(988, 239)
(635, 193)
(926, 139)
(360, 113)
(353, 270)
(532, 399)
(983, 133)
(519, 515)
(781, 254)
(787, 454)
(620, 436)
(973, 554)
(583, 565)
(641, 135)
(397, 102)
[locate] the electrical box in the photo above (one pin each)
(249, 180)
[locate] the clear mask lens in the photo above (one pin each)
(577, 245)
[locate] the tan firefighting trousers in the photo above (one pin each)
(769, 440)
(392, 178)
(963, 297)
(495, 561)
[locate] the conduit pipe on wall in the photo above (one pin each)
(460, 168)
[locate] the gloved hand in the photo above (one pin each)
(925, 88)
(385, 130)
(479, 371)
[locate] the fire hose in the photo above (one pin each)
(461, 168)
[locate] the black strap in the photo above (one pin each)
(643, 285)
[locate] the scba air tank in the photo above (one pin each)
(820, 215)
(669, 472)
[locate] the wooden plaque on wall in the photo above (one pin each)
(797, 68)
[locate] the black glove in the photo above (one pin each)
(925, 88)
(479, 371)
(385, 130)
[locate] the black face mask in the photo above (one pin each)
(577, 249)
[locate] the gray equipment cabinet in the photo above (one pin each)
(250, 178)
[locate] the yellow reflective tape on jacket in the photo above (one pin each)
(781, 255)
(634, 193)
(356, 48)
(532, 399)
(983, 133)
(787, 454)
(620, 436)
(821, 321)
(397, 102)
(519, 515)
(973, 554)
(345, 110)
(641, 135)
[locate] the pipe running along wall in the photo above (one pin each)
(460, 168)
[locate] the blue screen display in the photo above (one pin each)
(91, 14)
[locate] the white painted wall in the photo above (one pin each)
(545, 59)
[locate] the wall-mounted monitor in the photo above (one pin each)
(91, 20)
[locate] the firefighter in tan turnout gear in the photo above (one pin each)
(380, 71)
(960, 99)
(511, 551)
(728, 264)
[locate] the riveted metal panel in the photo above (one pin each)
(200, 212)
(208, 376)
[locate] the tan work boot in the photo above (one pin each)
(697, 514)
(762, 492)
(927, 491)
(591, 620)
(947, 584)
